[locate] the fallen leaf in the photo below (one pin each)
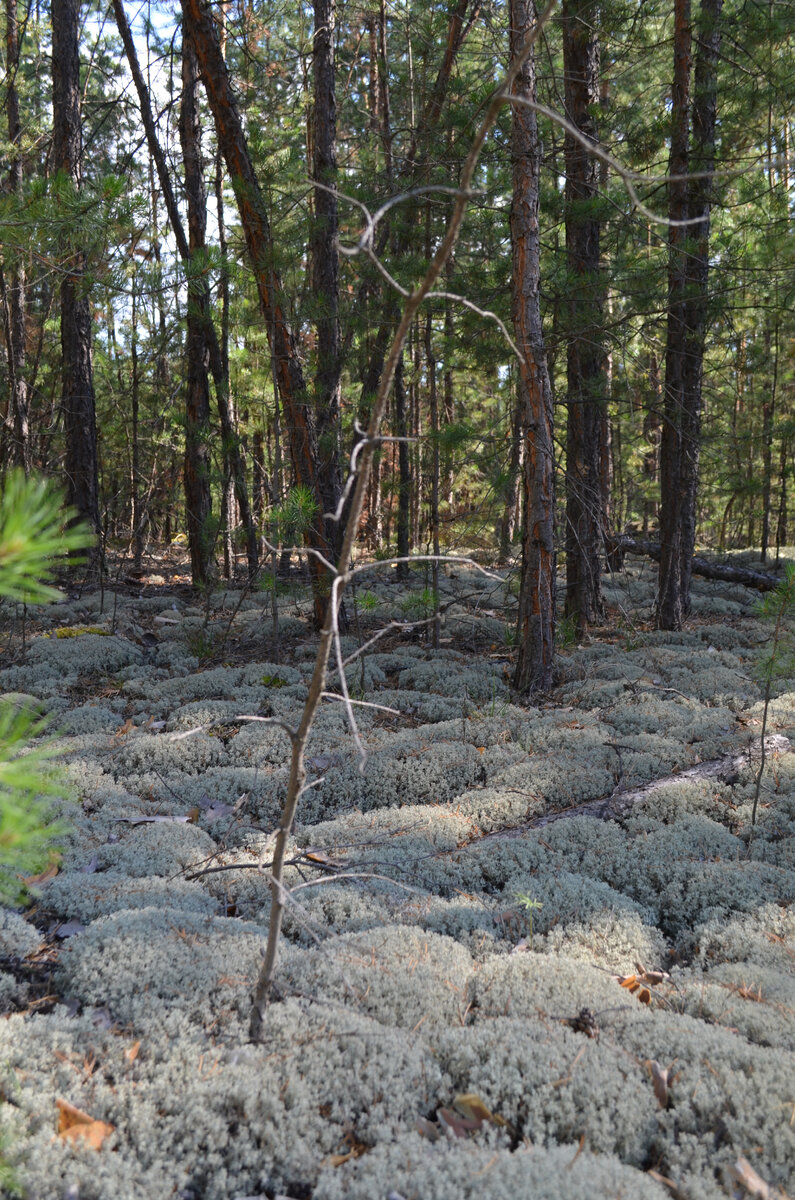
(43, 877)
(132, 1052)
(660, 1078)
(75, 1125)
(427, 1129)
(753, 1183)
(469, 1104)
(459, 1126)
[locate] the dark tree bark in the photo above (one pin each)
(15, 291)
(585, 353)
(198, 23)
(725, 572)
(201, 294)
(536, 621)
(688, 272)
(77, 396)
(198, 502)
(325, 266)
(403, 522)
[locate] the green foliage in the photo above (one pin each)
(26, 830)
(778, 606)
(530, 906)
(32, 541)
(296, 512)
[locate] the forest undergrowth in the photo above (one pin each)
(508, 970)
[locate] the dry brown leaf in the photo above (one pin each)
(75, 1125)
(43, 877)
(470, 1105)
(753, 1183)
(427, 1129)
(459, 1126)
(132, 1052)
(660, 1078)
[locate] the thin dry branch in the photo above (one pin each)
(330, 631)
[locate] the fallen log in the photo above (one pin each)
(763, 581)
(621, 801)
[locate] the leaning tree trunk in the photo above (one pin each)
(689, 199)
(201, 293)
(536, 621)
(198, 503)
(15, 331)
(198, 22)
(585, 352)
(77, 395)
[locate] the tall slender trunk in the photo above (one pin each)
(536, 620)
(687, 302)
(77, 396)
(768, 419)
(585, 353)
(198, 22)
(433, 409)
(137, 513)
(198, 502)
(325, 266)
(202, 291)
(15, 298)
(403, 522)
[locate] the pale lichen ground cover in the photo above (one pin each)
(418, 975)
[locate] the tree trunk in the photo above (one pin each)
(536, 621)
(77, 396)
(687, 303)
(201, 295)
(15, 332)
(403, 522)
(325, 267)
(198, 501)
(585, 354)
(199, 24)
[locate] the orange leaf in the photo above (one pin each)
(76, 1125)
(132, 1053)
(470, 1105)
(644, 995)
(50, 873)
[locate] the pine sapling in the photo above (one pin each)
(779, 606)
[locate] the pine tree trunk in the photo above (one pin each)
(536, 621)
(201, 294)
(586, 407)
(199, 23)
(687, 303)
(77, 397)
(15, 333)
(403, 523)
(198, 503)
(325, 266)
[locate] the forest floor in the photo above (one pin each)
(477, 1003)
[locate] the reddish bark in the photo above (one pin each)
(198, 23)
(536, 621)
(77, 396)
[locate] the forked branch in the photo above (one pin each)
(297, 779)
